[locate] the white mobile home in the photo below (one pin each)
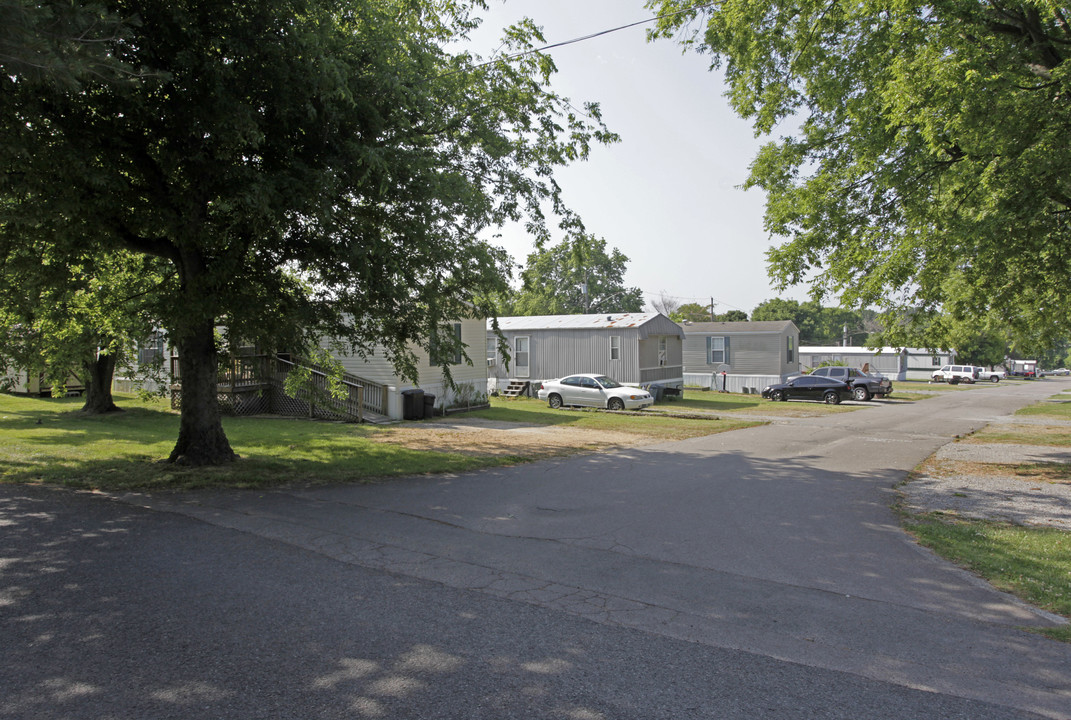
(751, 355)
(633, 348)
(893, 363)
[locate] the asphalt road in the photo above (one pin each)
(754, 574)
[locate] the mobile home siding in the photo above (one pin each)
(566, 344)
(754, 348)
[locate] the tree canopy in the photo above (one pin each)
(817, 325)
(308, 170)
(930, 171)
(578, 275)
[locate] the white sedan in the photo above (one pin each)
(590, 390)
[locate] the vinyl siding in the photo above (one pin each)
(377, 368)
(749, 353)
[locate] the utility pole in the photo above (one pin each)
(711, 309)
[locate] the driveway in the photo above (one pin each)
(772, 549)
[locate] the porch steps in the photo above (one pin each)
(516, 388)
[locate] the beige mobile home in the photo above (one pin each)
(751, 355)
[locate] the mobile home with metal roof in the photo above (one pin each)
(634, 348)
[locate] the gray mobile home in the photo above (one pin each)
(634, 348)
(751, 354)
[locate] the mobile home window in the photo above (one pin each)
(661, 352)
(492, 352)
(791, 356)
(436, 355)
(718, 350)
(615, 347)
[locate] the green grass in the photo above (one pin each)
(47, 440)
(1032, 563)
(647, 424)
(719, 402)
(1059, 407)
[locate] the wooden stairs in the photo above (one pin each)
(516, 388)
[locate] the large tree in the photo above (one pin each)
(64, 313)
(578, 275)
(307, 169)
(930, 171)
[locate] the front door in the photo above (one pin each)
(521, 356)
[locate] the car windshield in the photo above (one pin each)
(607, 383)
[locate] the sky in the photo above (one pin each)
(668, 195)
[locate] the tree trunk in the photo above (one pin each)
(201, 439)
(98, 383)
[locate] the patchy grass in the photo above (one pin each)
(1031, 563)
(719, 402)
(1058, 407)
(1048, 435)
(645, 424)
(48, 440)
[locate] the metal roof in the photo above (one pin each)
(743, 326)
(574, 322)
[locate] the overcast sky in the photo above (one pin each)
(668, 195)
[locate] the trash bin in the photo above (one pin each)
(413, 404)
(429, 406)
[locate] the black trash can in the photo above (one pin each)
(429, 406)
(413, 404)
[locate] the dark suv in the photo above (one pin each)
(864, 386)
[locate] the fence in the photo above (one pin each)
(254, 384)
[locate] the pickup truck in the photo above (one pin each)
(990, 375)
(864, 385)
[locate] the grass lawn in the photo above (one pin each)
(1031, 563)
(647, 424)
(719, 402)
(49, 440)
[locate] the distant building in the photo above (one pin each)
(894, 363)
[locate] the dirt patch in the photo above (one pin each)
(487, 437)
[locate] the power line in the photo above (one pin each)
(583, 38)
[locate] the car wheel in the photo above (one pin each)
(832, 398)
(994, 378)
(861, 394)
(777, 396)
(616, 404)
(555, 401)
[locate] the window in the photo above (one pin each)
(661, 352)
(791, 349)
(152, 349)
(615, 347)
(718, 350)
(936, 361)
(437, 355)
(492, 352)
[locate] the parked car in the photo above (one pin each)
(592, 390)
(864, 385)
(1061, 371)
(991, 375)
(810, 387)
(953, 374)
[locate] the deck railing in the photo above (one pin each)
(663, 372)
(255, 383)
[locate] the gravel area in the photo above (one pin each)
(948, 484)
